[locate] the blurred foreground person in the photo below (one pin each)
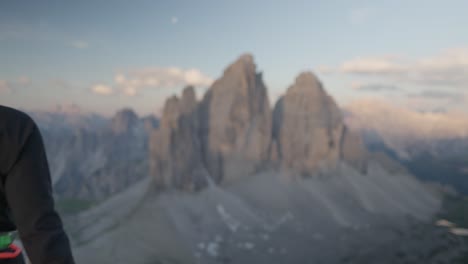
(26, 202)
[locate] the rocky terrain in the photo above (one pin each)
(232, 180)
(92, 157)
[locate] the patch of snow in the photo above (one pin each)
(444, 223)
(249, 245)
(212, 249)
(232, 223)
(459, 231)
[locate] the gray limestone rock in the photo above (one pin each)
(236, 122)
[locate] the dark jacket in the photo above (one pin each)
(26, 201)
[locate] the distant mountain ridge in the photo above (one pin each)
(92, 157)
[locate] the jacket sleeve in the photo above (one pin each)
(28, 192)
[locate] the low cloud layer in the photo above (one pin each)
(102, 89)
(446, 69)
(439, 95)
(390, 119)
(374, 87)
(4, 87)
(8, 86)
(133, 82)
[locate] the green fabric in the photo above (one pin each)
(6, 239)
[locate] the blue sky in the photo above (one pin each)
(105, 55)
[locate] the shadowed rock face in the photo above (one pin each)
(175, 159)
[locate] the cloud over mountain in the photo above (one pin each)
(373, 87)
(102, 89)
(133, 82)
(447, 68)
(7, 86)
(402, 122)
(439, 95)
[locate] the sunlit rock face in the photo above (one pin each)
(309, 131)
(235, 118)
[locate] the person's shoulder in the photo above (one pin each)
(11, 115)
(16, 128)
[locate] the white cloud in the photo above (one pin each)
(102, 89)
(133, 82)
(174, 20)
(130, 91)
(80, 44)
(390, 119)
(372, 65)
(8, 86)
(4, 87)
(196, 77)
(454, 97)
(119, 79)
(448, 68)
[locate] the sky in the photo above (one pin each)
(105, 55)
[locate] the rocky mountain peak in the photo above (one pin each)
(236, 123)
(124, 121)
(171, 110)
(307, 82)
(189, 99)
(308, 130)
(243, 65)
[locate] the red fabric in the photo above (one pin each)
(15, 252)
